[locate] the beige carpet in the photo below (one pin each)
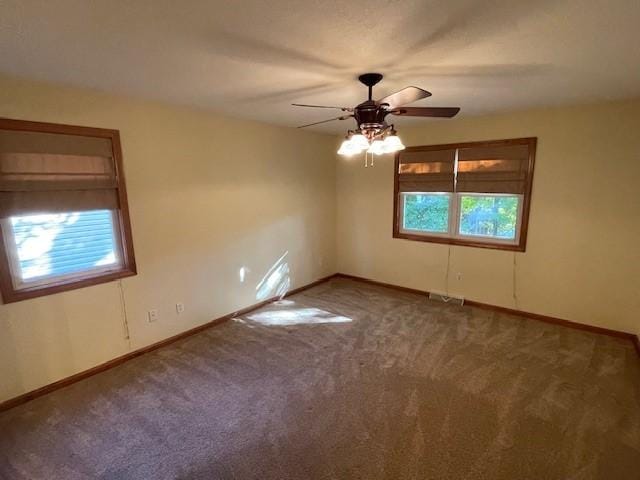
(346, 381)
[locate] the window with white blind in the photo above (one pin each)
(64, 220)
(475, 194)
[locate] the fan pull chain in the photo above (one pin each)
(367, 162)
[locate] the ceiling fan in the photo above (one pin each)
(374, 134)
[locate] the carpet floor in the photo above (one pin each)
(346, 381)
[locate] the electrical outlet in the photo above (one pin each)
(459, 276)
(179, 307)
(153, 315)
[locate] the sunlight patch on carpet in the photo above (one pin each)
(297, 316)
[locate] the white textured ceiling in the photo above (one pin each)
(252, 58)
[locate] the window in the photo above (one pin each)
(426, 212)
(64, 220)
(474, 194)
(490, 216)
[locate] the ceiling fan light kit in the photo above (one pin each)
(374, 135)
(355, 143)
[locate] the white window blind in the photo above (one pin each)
(46, 247)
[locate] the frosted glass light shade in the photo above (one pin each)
(360, 141)
(393, 144)
(347, 148)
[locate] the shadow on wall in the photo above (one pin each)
(38, 361)
(11, 383)
(276, 282)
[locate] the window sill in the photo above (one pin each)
(10, 295)
(519, 247)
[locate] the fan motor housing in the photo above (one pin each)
(370, 115)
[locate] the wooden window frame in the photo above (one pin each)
(123, 228)
(520, 246)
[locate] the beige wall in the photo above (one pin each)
(208, 195)
(582, 261)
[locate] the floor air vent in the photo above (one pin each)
(441, 297)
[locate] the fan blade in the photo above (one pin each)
(446, 112)
(404, 96)
(344, 117)
(344, 109)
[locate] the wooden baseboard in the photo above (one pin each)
(381, 284)
(535, 316)
(556, 321)
(19, 400)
